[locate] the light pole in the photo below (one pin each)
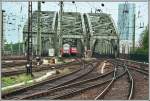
(11, 48)
(29, 41)
(133, 35)
(133, 38)
(39, 30)
(76, 7)
(19, 38)
(76, 17)
(2, 31)
(60, 27)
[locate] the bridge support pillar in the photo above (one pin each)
(92, 43)
(108, 48)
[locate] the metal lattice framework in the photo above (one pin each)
(71, 28)
(29, 39)
(102, 29)
(48, 28)
(92, 31)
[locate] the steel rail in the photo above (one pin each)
(53, 80)
(146, 72)
(137, 62)
(20, 90)
(131, 90)
(105, 90)
(138, 67)
(36, 69)
(139, 70)
(89, 86)
(28, 87)
(102, 94)
(42, 67)
(65, 86)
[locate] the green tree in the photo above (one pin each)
(14, 48)
(144, 42)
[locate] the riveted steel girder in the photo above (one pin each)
(101, 29)
(88, 28)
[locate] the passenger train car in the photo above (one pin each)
(68, 50)
(65, 50)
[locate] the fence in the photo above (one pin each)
(141, 57)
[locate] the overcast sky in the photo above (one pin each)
(17, 15)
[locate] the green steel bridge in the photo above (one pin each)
(87, 31)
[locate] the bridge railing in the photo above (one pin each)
(141, 57)
(134, 56)
(98, 55)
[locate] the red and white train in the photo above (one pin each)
(68, 50)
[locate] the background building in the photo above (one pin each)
(126, 13)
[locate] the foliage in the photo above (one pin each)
(14, 48)
(7, 81)
(144, 42)
(141, 53)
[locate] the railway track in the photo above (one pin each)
(13, 57)
(136, 67)
(135, 64)
(69, 89)
(139, 67)
(20, 61)
(117, 72)
(131, 87)
(128, 83)
(139, 70)
(85, 82)
(141, 84)
(126, 91)
(66, 87)
(20, 70)
(13, 63)
(73, 88)
(48, 84)
(94, 72)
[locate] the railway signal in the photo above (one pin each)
(102, 5)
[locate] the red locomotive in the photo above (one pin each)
(73, 50)
(68, 50)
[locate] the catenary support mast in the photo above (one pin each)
(29, 40)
